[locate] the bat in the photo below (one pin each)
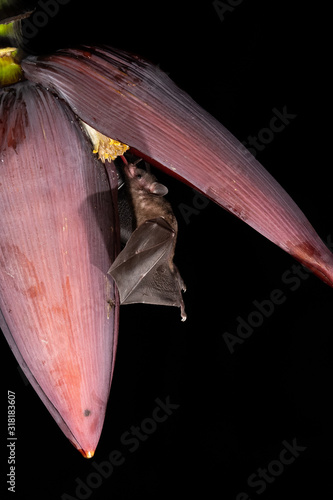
(144, 270)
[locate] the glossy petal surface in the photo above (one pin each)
(56, 246)
(130, 100)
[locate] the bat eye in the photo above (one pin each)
(139, 176)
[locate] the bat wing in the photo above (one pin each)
(144, 271)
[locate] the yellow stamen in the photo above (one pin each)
(106, 148)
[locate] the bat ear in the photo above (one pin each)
(137, 161)
(158, 189)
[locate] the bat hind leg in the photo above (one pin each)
(182, 310)
(182, 288)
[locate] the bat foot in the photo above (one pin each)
(182, 311)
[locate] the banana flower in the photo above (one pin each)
(59, 223)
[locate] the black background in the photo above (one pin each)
(235, 410)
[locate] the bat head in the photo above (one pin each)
(141, 180)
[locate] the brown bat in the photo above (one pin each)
(144, 270)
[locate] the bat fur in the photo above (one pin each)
(144, 270)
